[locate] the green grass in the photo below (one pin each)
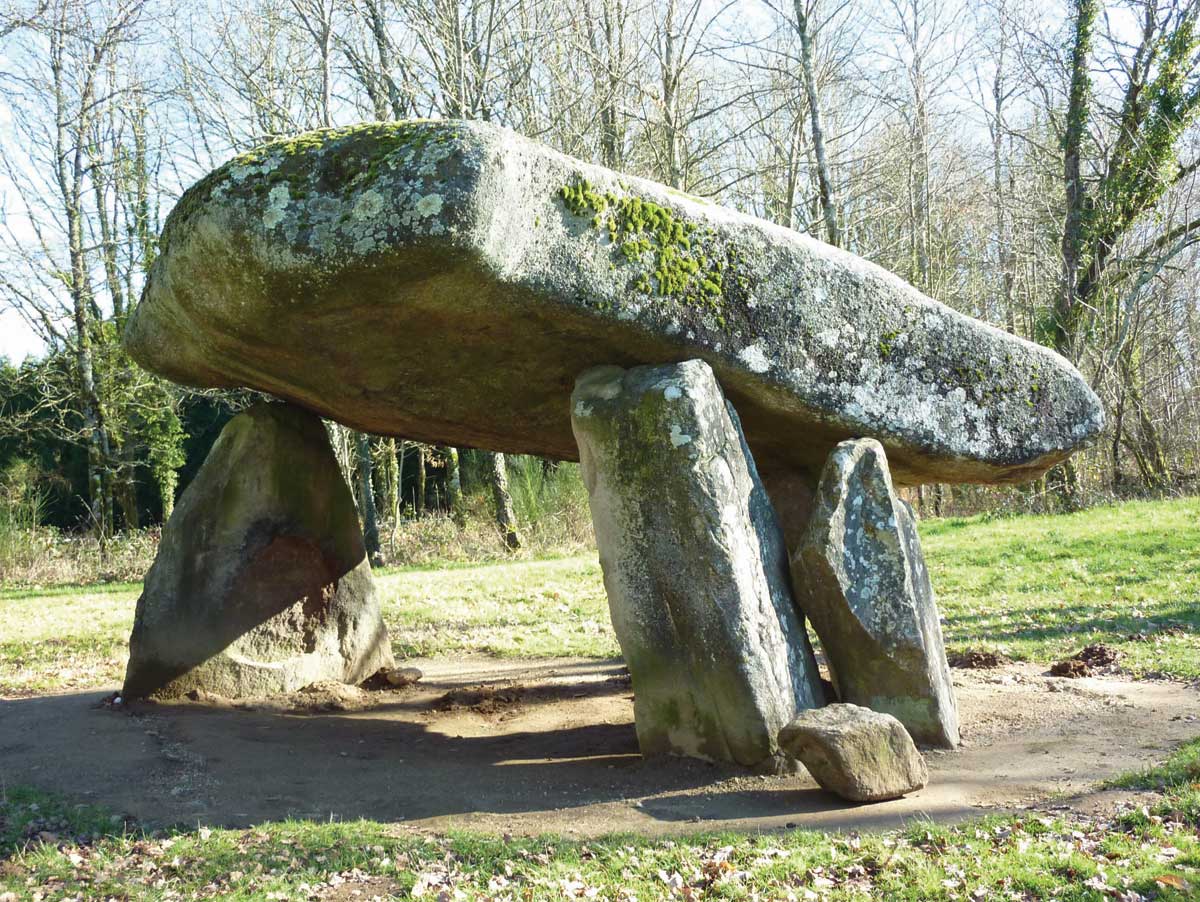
(1041, 587)
(1180, 772)
(529, 609)
(88, 855)
(1037, 588)
(53, 640)
(1034, 587)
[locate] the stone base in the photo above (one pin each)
(859, 754)
(261, 584)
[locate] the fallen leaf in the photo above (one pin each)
(1174, 882)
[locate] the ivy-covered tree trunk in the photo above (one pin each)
(1067, 301)
(391, 482)
(506, 517)
(167, 482)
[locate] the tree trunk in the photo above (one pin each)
(454, 495)
(824, 182)
(419, 491)
(1148, 450)
(506, 518)
(1005, 256)
(366, 498)
(167, 480)
(1066, 303)
(391, 477)
(383, 46)
(673, 172)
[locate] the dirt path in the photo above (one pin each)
(523, 747)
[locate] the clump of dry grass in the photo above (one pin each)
(552, 515)
(44, 556)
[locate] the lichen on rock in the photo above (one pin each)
(445, 281)
(694, 564)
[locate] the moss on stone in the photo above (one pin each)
(887, 341)
(677, 260)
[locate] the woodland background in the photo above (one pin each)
(1032, 164)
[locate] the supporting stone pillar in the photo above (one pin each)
(261, 584)
(861, 578)
(694, 564)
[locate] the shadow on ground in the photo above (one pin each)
(531, 748)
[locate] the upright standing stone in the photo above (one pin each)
(694, 564)
(261, 584)
(867, 592)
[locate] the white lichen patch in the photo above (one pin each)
(672, 393)
(679, 438)
(277, 204)
(368, 206)
(429, 205)
(755, 358)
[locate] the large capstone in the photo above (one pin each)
(694, 564)
(261, 584)
(446, 282)
(864, 585)
(859, 754)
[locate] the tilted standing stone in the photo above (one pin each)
(866, 590)
(857, 753)
(694, 564)
(261, 584)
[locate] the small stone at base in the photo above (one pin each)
(856, 753)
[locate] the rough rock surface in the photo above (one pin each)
(447, 281)
(694, 564)
(859, 754)
(261, 584)
(864, 586)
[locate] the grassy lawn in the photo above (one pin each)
(1036, 588)
(529, 609)
(1040, 588)
(59, 851)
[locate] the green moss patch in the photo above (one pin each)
(672, 258)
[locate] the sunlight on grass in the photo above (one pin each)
(1040, 588)
(1036, 588)
(536, 609)
(65, 639)
(67, 850)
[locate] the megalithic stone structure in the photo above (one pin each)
(694, 564)
(447, 281)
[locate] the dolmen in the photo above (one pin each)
(744, 401)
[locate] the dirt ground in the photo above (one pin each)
(525, 748)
